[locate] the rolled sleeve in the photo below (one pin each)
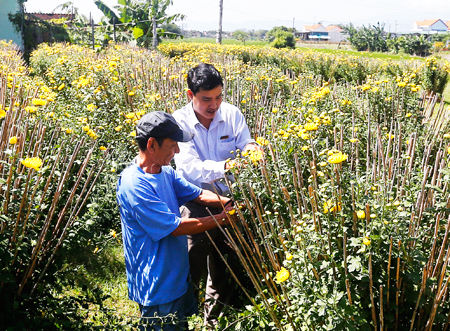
(190, 165)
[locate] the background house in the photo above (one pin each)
(429, 26)
(336, 34)
(7, 29)
(315, 32)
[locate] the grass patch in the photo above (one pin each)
(104, 270)
(446, 95)
(213, 41)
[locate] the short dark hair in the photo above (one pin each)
(142, 142)
(204, 76)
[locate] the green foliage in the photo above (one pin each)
(137, 17)
(281, 37)
(34, 29)
(435, 76)
(173, 29)
(375, 39)
(370, 38)
(410, 44)
(46, 179)
(240, 35)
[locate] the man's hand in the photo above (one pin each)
(227, 215)
(235, 164)
(254, 147)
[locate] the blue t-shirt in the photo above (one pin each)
(157, 263)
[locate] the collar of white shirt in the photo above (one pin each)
(194, 120)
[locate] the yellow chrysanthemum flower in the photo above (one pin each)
(311, 127)
(282, 275)
(31, 109)
(261, 141)
(366, 241)
(331, 206)
(91, 107)
(13, 140)
(39, 102)
(361, 214)
(32, 162)
(2, 113)
(102, 148)
(337, 158)
(255, 156)
(289, 256)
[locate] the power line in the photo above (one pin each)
(393, 7)
(207, 5)
(257, 16)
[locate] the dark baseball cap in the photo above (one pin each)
(159, 124)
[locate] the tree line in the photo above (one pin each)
(374, 38)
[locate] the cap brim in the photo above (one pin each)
(181, 136)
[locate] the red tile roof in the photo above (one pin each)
(51, 16)
(331, 27)
(312, 27)
(427, 22)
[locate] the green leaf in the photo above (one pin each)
(355, 242)
(107, 11)
(137, 32)
(354, 263)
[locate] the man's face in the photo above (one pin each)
(206, 103)
(164, 154)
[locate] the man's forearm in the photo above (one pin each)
(197, 225)
(210, 199)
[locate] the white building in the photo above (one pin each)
(314, 32)
(336, 34)
(430, 26)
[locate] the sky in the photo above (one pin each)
(397, 15)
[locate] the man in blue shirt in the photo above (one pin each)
(149, 194)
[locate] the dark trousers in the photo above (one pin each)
(171, 315)
(206, 263)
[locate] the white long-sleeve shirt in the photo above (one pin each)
(202, 160)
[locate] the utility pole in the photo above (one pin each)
(93, 31)
(155, 37)
(219, 32)
(293, 23)
(114, 29)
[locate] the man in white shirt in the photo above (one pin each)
(218, 129)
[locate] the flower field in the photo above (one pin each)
(347, 214)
